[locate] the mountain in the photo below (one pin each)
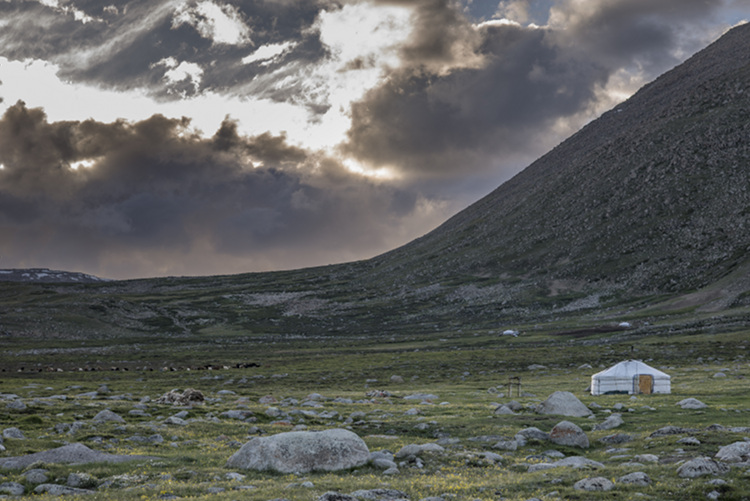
(652, 197)
(644, 209)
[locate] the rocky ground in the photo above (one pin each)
(372, 445)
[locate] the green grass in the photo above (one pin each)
(460, 368)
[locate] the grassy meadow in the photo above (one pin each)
(468, 372)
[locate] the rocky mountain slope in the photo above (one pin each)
(648, 204)
(651, 197)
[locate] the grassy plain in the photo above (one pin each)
(466, 370)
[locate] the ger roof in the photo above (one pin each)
(628, 368)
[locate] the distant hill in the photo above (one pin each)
(44, 275)
(645, 209)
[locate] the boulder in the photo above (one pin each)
(636, 478)
(12, 488)
(14, 433)
(594, 484)
(531, 433)
(503, 409)
(617, 438)
(16, 405)
(187, 397)
(612, 421)
(575, 462)
(336, 496)
(646, 458)
(379, 495)
(36, 476)
(567, 433)
(734, 453)
(701, 466)
(302, 452)
(107, 416)
(60, 490)
(417, 449)
(563, 403)
(70, 454)
(691, 403)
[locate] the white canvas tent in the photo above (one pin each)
(630, 376)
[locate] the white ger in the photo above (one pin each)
(631, 377)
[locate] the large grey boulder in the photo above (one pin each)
(563, 403)
(567, 433)
(302, 452)
(69, 454)
(734, 453)
(701, 466)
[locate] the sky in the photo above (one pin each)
(143, 138)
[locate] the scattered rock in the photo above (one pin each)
(575, 462)
(13, 433)
(36, 476)
(594, 484)
(397, 379)
(691, 403)
(16, 405)
(336, 496)
(506, 445)
(503, 409)
(689, 441)
(617, 438)
(71, 454)
(671, 430)
(12, 488)
(635, 478)
(81, 480)
(241, 414)
(563, 403)
(646, 458)
(531, 433)
(302, 452)
(187, 397)
(612, 421)
(734, 453)
(418, 449)
(107, 416)
(60, 490)
(567, 433)
(701, 466)
(379, 495)
(421, 396)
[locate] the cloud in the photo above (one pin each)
(220, 23)
(129, 199)
(444, 115)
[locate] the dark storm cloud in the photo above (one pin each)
(123, 44)
(474, 119)
(153, 188)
